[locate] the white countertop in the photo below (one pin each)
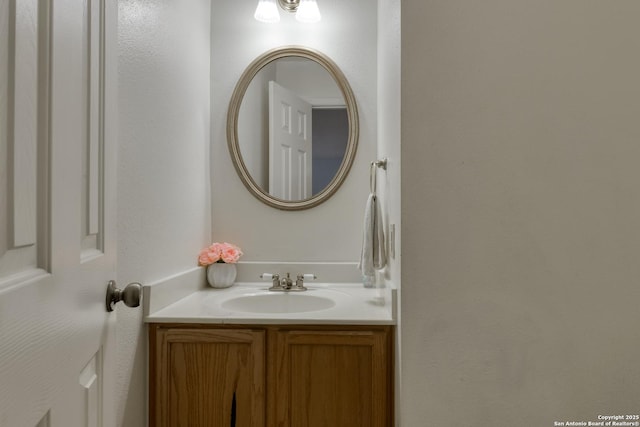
(353, 305)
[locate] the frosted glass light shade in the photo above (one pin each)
(308, 12)
(267, 11)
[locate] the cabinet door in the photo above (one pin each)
(207, 377)
(331, 378)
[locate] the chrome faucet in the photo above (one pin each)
(285, 284)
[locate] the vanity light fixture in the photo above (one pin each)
(306, 10)
(267, 11)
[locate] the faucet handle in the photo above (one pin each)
(300, 281)
(275, 279)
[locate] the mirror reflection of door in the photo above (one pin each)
(290, 154)
(327, 129)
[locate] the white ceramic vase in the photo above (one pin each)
(221, 275)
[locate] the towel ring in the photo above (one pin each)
(373, 173)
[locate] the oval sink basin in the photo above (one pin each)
(278, 303)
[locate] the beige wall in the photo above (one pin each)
(163, 165)
(520, 211)
(389, 126)
(332, 231)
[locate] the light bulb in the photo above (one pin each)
(308, 12)
(267, 11)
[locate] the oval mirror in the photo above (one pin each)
(292, 128)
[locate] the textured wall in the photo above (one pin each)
(520, 210)
(333, 230)
(163, 163)
(389, 121)
(389, 146)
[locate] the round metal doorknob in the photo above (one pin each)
(130, 295)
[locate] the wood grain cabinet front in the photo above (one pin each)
(280, 376)
(337, 378)
(207, 377)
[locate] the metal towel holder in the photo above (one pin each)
(373, 173)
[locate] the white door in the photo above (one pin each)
(57, 212)
(290, 154)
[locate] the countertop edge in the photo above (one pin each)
(189, 302)
(267, 321)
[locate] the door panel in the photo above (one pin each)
(22, 138)
(56, 339)
(92, 162)
(290, 153)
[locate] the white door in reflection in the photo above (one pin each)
(290, 144)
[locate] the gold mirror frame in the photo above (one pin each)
(232, 126)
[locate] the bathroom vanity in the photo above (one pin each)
(256, 375)
(212, 364)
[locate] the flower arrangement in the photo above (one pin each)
(219, 253)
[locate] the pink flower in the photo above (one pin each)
(209, 255)
(219, 252)
(230, 253)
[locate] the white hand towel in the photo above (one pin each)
(373, 255)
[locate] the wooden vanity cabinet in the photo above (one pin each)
(323, 377)
(206, 377)
(284, 376)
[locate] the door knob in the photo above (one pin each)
(130, 295)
